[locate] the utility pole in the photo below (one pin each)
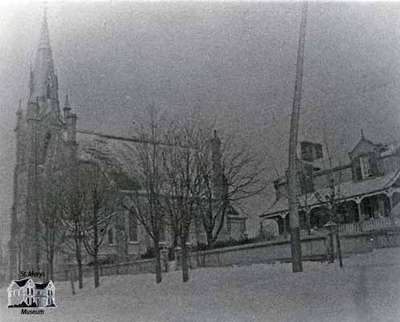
(297, 265)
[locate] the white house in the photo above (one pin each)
(45, 294)
(21, 291)
(27, 293)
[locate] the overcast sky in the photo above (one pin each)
(235, 61)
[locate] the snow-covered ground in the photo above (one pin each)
(367, 289)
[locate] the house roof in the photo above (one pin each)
(41, 286)
(22, 282)
(345, 190)
(391, 149)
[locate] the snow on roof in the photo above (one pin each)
(390, 149)
(112, 152)
(344, 190)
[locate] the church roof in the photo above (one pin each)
(115, 153)
(345, 190)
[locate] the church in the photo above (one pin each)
(48, 141)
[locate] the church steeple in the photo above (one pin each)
(44, 84)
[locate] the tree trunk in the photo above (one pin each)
(96, 271)
(80, 275)
(78, 256)
(157, 263)
(185, 264)
(72, 285)
(51, 255)
(210, 239)
(47, 273)
(96, 249)
(80, 272)
(51, 267)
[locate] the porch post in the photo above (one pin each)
(285, 225)
(308, 220)
(360, 214)
(389, 194)
(390, 197)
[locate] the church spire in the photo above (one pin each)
(44, 80)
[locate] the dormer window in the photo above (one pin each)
(365, 167)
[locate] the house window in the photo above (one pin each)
(111, 235)
(365, 167)
(306, 152)
(310, 151)
(133, 228)
(318, 151)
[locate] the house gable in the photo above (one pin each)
(363, 147)
(13, 286)
(30, 284)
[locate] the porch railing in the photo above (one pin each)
(350, 228)
(367, 225)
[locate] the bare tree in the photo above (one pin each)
(50, 205)
(229, 173)
(182, 184)
(73, 217)
(100, 206)
(145, 205)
